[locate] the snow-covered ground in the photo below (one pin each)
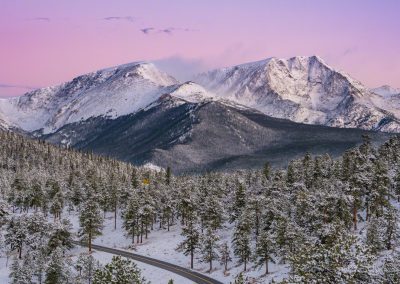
(151, 273)
(162, 245)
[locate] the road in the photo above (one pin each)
(184, 272)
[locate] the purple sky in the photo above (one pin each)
(46, 42)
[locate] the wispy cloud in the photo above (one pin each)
(11, 90)
(168, 31)
(9, 86)
(181, 68)
(118, 18)
(147, 30)
(40, 19)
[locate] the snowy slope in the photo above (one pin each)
(386, 91)
(302, 89)
(110, 92)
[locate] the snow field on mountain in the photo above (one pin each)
(302, 89)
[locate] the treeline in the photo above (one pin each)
(329, 220)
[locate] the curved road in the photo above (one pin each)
(184, 272)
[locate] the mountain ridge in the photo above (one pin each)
(138, 113)
(302, 89)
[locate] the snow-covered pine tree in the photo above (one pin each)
(241, 238)
(61, 236)
(91, 221)
(374, 239)
(391, 230)
(225, 255)
(264, 249)
(20, 273)
(131, 216)
(209, 247)
(391, 269)
(86, 265)
(239, 202)
(191, 234)
(119, 271)
(58, 270)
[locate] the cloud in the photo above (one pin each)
(147, 30)
(9, 86)
(40, 19)
(118, 18)
(11, 90)
(168, 31)
(349, 51)
(181, 68)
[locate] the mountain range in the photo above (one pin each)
(229, 118)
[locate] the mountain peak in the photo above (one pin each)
(110, 92)
(303, 89)
(191, 92)
(386, 91)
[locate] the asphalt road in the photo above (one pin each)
(184, 272)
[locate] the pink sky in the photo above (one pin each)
(46, 42)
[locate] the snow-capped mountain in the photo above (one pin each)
(137, 113)
(303, 89)
(201, 135)
(110, 92)
(386, 91)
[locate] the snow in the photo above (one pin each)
(109, 92)
(151, 273)
(161, 245)
(4, 266)
(153, 167)
(302, 89)
(386, 91)
(192, 92)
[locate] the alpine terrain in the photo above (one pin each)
(236, 117)
(304, 89)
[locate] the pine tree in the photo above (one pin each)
(267, 170)
(192, 238)
(57, 271)
(374, 238)
(16, 234)
(239, 202)
(208, 247)
(168, 176)
(239, 279)
(20, 273)
(343, 261)
(380, 189)
(119, 271)
(390, 226)
(87, 265)
(225, 255)
(60, 236)
(91, 222)
(131, 216)
(241, 239)
(57, 205)
(391, 269)
(264, 249)
(397, 184)
(134, 179)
